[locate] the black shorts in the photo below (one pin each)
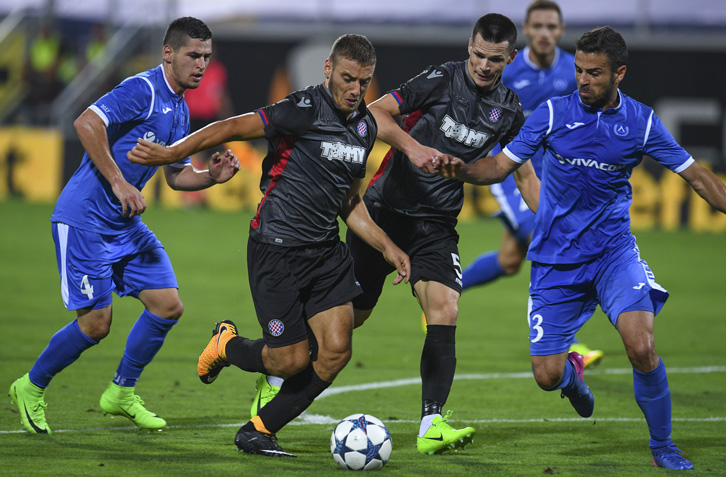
(431, 245)
(291, 284)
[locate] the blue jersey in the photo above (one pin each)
(589, 155)
(535, 85)
(142, 106)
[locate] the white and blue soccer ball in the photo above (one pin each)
(361, 442)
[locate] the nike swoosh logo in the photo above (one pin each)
(440, 438)
(574, 125)
(435, 74)
(219, 335)
(37, 429)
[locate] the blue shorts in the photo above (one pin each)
(563, 297)
(93, 265)
(514, 211)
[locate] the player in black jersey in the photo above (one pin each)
(301, 274)
(459, 109)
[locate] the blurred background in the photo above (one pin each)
(59, 56)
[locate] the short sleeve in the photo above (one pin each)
(131, 100)
(532, 134)
(290, 117)
(422, 90)
(661, 146)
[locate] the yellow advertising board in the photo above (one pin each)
(31, 163)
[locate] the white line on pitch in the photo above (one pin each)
(307, 419)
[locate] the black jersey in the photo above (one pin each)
(314, 155)
(444, 110)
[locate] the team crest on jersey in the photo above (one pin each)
(621, 130)
(362, 129)
(276, 327)
(495, 114)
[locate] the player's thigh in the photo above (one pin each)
(85, 267)
(328, 274)
(333, 329)
(561, 300)
(434, 253)
(276, 294)
(370, 269)
(626, 283)
(142, 264)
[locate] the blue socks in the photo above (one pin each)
(144, 341)
(483, 270)
(654, 398)
(63, 349)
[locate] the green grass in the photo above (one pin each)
(521, 430)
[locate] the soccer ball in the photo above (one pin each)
(361, 442)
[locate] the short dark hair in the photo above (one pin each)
(353, 47)
(496, 28)
(543, 5)
(183, 28)
(605, 40)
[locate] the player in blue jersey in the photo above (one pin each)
(541, 71)
(102, 246)
(583, 252)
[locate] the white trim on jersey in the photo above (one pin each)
(100, 113)
(647, 129)
(552, 117)
(62, 246)
(512, 156)
(153, 96)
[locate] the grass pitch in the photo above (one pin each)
(521, 430)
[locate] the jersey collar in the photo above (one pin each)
(591, 109)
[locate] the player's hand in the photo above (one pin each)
(131, 198)
(223, 167)
(398, 258)
(424, 158)
(151, 154)
(449, 166)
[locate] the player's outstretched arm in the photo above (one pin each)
(707, 185)
(92, 133)
(385, 109)
(238, 128)
(222, 167)
(355, 215)
(484, 171)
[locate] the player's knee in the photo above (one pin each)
(170, 310)
(96, 324)
(289, 363)
(547, 378)
(511, 264)
(642, 355)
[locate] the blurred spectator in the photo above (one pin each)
(41, 70)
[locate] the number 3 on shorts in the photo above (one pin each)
(535, 323)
